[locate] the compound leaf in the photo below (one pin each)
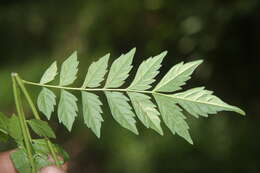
(198, 101)
(49, 74)
(69, 70)
(177, 76)
(46, 102)
(21, 161)
(67, 109)
(92, 112)
(121, 110)
(146, 111)
(146, 73)
(41, 128)
(120, 70)
(173, 117)
(96, 72)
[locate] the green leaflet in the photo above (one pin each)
(121, 110)
(21, 161)
(46, 102)
(92, 112)
(96, 72)
(41, 128)
(67, 109)
(146, 111)
(173, 117)
(146, 73)
(198, 101)
(120, 69)
(14, 129)
(40, 147)
(69, 70)
(49, 74)
(41, 161)
(177, 76)
(3, 123)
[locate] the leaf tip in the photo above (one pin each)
(240, 111)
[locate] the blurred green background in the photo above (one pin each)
(225, 33)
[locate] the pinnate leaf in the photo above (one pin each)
(69, 70)
(92, 112)
(119, 70)
(121, 110)
(146, 111)
(96, 72)
(67, 109)
(146, 73)
(46, 102)
(49, 74)
(177, 76)
(198, 101)
(41, 128)
(173, 117)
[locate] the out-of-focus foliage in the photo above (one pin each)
(223, 33)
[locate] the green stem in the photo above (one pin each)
(37, 116)
(86, 89)
(23, 125)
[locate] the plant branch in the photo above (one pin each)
(37, 116)
(23, 124)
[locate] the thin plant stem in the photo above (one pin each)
(23, 116)
(36, 116)
(22, 124)
(86, 89)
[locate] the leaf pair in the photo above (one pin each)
(197, 101)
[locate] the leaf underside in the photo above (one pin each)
(67, 109)
(197, 101)
(92, 112)
(46, 102)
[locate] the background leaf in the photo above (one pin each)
(14, 129)
(3, 137)
(177, 76)
(96, 72)
(92, 112)
(69, 70)
(146, 111)
(121, 110)
(21, 161)
(173, 117)
(146, 73)
(49, 74)
(41, 128)
(3, 123)
(120, 69)
(67, 110)
(198, 101)
(46, 102)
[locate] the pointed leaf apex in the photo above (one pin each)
(164, 53)
(240, 111)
